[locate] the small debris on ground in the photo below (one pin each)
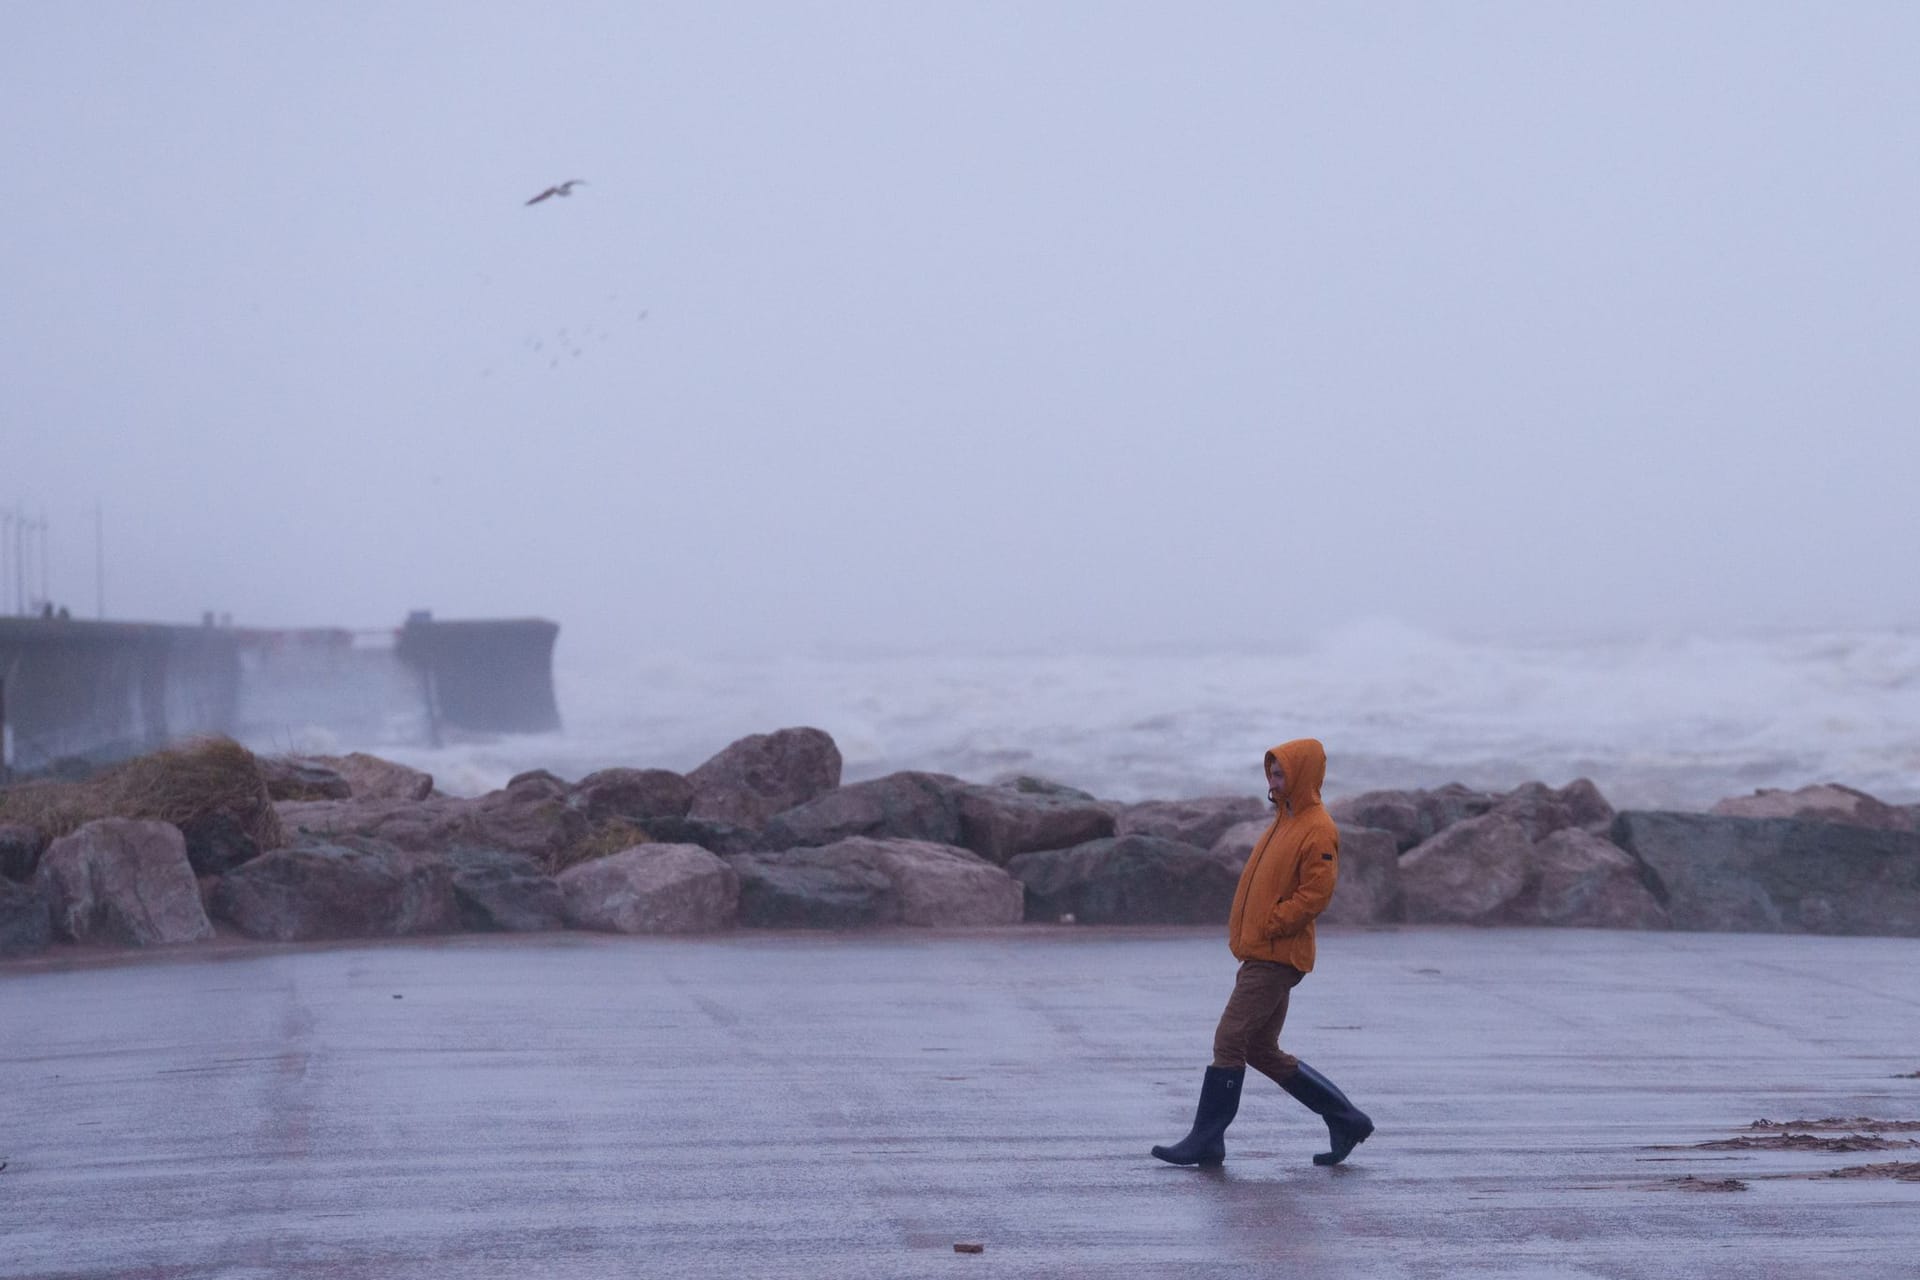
(1691, 1183)
(969, 1248)
(1908, 1075)
(1858, 1124)
(397, 996)
(1804, 1142)
(1898, 1170)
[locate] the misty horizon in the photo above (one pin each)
(969, 327)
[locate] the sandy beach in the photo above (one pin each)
(819, 1105)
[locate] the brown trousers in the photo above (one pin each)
(1249, 1031)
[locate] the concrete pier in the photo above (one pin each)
(107, 690)
(97, 692)
(786, 1105)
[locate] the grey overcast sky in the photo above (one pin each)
(982, 324)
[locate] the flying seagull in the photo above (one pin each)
(564, 189)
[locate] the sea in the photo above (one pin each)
(1673, 722)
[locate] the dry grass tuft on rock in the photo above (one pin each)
(185, 784)
(604, 840)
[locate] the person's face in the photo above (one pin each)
(1277, 777)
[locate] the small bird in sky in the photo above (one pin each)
(564, 189)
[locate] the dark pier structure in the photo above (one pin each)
(103, 690)
(489, 676)
(74, 691)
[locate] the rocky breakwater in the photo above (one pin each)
(207, 836)
(206, 839)
(1823, 859)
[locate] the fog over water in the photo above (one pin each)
(1090, 388)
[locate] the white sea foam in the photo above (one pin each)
(1671, 721)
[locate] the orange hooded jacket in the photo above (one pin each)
(1289, 876)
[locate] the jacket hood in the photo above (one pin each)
(1305, 761)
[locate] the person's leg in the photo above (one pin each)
(1206, 1142)
(1249, 1007)
(1259, 991)
(1347, 1125)
(1263, 1051)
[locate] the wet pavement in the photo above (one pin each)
(786, 1105)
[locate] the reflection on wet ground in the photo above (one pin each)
(807, 1105)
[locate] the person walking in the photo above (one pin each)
(1288, 880)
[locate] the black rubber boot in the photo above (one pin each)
(1219, 1101)
(1347, 1125)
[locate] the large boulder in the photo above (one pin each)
(1032, 785)
(1777, 874)
(1469, 872)
(20, 849)
(758, 776)
(217, 843)
(900, 806)
(507, 892)
(1584, 880)
(25, 926)
(538, 784)
(634, 794)
(1544, 810)
(123, 880)
(941, 886)
(715, 837)
(1494, 870)
(371, 778)
(1236, 843)
(529, 818)
(1199, 822)
(432, 825)
(1827, 802)
(1000, 822)
(1413, 816)
(1368, 890)
(352, 887)
(1127, 880)
(1533, 859)
(298, 778)
(652, 888)
(812, 889)
(861, 881)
